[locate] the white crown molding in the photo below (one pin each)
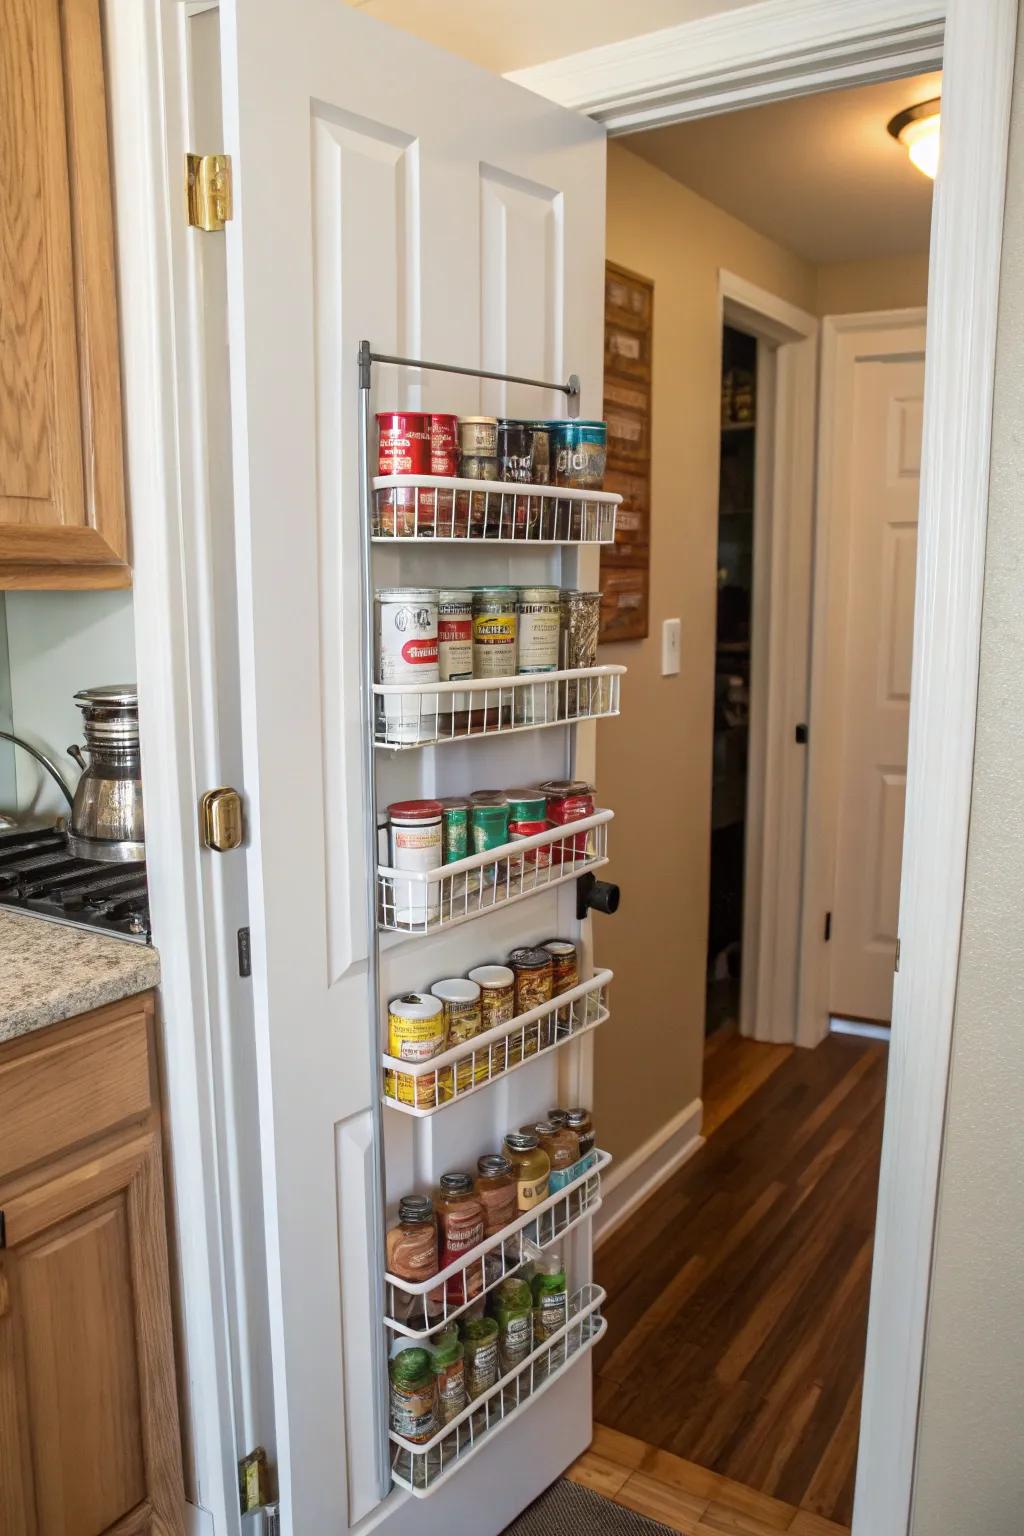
(762, 52)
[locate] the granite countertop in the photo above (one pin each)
(50, 972)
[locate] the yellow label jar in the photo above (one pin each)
(531, 1166)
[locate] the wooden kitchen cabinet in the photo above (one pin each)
(62, 502)
(89, 1439)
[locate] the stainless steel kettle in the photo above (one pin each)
(106, 812)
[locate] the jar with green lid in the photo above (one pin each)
(550, 1299)
(531, 1166)
(480, 1346)
(512, 1305)
(414, 1413)
(449, 1366)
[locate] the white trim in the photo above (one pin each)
(631, 1182)
(779, 654)
(762, 52)
(959, 372)
(841, 349)
(861, 1028)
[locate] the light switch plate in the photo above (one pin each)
(671, 646)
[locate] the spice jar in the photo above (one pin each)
(562, 1146)
(480, 1343)
(454, 657)
(569, 800)
(478, 513)
(580, 453)
(416, 1032)
(461, 1000)
(489, 814)
(583, 1125)
(478, 436)
(460, 1224)
(579, 630)
(454, 828)
(497, 1004)
(539, 638)
(565, 973)
(412, 1254)
(512, 1306)
(515, 463)
(540, 454)
(414, 833)
(406, 654)
(403, 439)
(414, 1413)
(533, 972)
(531, 1166)
(495, 631)
(435, 512)
(448, 1363)
(550, 1300)
(496, 1187)
(528, 815)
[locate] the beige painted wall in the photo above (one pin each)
(654, 764)
(850, 287)
(970, 1469)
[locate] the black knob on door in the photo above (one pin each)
(596, 896)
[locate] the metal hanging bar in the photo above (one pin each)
(571, 389)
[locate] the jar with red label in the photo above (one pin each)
(460, 1221)
(403, 448)
(527, 816)
(569, 800)
(436, 510)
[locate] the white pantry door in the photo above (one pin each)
(383, 189)
(883, 396)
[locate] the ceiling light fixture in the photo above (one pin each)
(917, 129)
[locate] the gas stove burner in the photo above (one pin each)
(39, 875)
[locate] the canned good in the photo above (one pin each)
(416, 1032)
(478, 436)
(461, 1001)
(495, 630)
(569, 800)
(454, 828)
(528, 815)
(580, 624)
(515, 463)
(534, 975)
(580, 450)
(406, 630)
(497, 994)
(403, 439)
(539, 631)
(489, 829)
(435, 515)
(565, 971)
(454, 656)
(414, 834)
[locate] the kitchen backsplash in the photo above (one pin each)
(52, 644)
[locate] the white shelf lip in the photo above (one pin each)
(476, 861)
(570, 871)
(488, 732)
(474, 1255)
(493, 488)
(467, 1054)
(578, 1335)
(494, 684)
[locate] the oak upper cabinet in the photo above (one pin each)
(62, 504)
(89, 1439)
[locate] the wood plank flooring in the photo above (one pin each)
(738, 1294)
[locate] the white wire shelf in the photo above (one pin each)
(418, 1309)
(435, 509)
(431, 714)
(425, 901)
(424, 1088)
(423, 1468)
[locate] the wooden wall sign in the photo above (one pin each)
(626, 565)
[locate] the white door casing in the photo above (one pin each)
(383, 190)
(877, 467)
(859, 353)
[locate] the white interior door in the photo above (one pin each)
(383, 190)
(883, 399)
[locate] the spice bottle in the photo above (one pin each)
(460, 1221)
(550, 1301)
(583, 1125)
(449, 1366)
(413, 1396)
(412, 1255)
(461, 1001)
(565, 973)
(512, 1305)
(531, 1166)
(534, 978)
(414, 828)
(496, 1187)
(562, 1146)
(480, 1343)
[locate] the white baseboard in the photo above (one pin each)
(639, 1175)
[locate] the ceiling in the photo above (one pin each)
(503, 36)
(819, 174)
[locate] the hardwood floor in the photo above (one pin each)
(738, 1294)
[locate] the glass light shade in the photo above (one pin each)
(921, 141)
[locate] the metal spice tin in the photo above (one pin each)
(454, 655)
(495, 631)
(534, 975)
(455, 828)
(478, 435)
(406, 630)
(403, 443)
(580, 627)
(416, 1032)
(569, 800)
(566, 971)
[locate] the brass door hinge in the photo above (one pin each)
(208, 190)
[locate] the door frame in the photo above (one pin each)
(792, 47)
(842, 346)
(780, 630)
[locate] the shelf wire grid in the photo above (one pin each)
(418, 1309)
(428, 509)
(424, 1088)
(430, 714)
(426, 901)
(423, 1468)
